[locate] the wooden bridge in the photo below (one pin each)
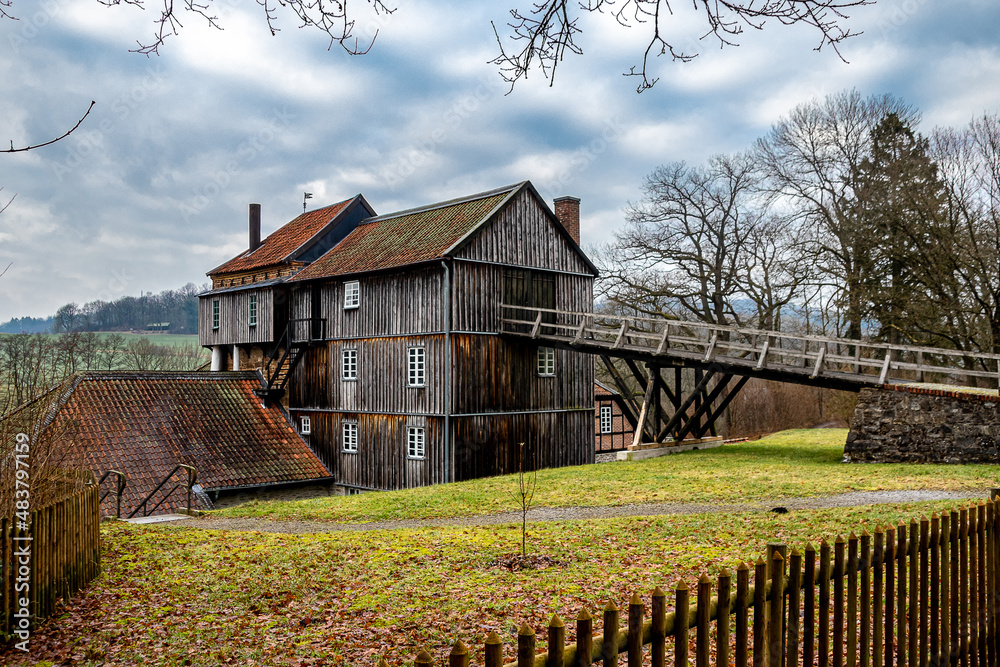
(724, 358)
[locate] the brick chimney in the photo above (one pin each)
(254, 226)
(568, 213)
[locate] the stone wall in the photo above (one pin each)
(916, 425)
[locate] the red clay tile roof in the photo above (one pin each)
(143, 424)
(284, 241)
(407, 237)
(601, 389)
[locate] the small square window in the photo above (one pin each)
(350, 437)
(605, 419)
(306, 426)
(352, 294)
(215, 314)
(349, 365)
(546, 361)
(415, 448)
(416, 372)
(253, 310)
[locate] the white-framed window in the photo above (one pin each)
(215, 314)
(349, 436)
(349, 364)
(253, 310)
(352, 294)
(416, 373)
(306, 428)
(546, 361)
(605, 419)
(415, 448)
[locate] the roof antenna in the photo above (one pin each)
(305, 196)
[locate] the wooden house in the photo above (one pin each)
(393, 365)
(613, 431)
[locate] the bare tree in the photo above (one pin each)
(812, 159)
(697, 244)
(549, 29)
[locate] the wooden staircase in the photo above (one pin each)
(287, 353)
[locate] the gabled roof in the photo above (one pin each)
(408, 237)
(282, 244)
(145, 423)
(601, 389)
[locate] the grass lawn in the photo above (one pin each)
(787, 464)
(181, 596)
(176, 595)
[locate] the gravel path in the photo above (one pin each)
(852, 499)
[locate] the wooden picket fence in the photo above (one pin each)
(919, 595)
(64, 539)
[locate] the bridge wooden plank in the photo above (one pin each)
(641, 431)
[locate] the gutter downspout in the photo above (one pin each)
(448, 476)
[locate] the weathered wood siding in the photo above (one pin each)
(234, 314)
(524, 235)
(381, 461)
(390, 304)
(486, 446)
(478, 290)
(494, 374)
(382, 377)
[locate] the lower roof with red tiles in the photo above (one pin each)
(145, 423)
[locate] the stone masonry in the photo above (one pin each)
(917, 424)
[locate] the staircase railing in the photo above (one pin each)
(120, 483)
(315, 332)
(192, 475)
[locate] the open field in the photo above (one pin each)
(174, 340)
(789, 464)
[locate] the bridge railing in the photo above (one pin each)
(755, 348)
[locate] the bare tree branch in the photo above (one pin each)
(47, 143)
(329, 16)
(6, 269)
(11, 201)
(548, 30)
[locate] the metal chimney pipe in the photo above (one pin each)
(254, 226)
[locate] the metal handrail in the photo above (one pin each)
(192, 475)
(122, 482)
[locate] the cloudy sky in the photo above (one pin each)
(152, 191)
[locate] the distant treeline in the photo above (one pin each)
(178, 308)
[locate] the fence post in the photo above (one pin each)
(609, 647)
(852, 600)
(982, 569)
(493, 650)
(924, 587)
(865, 572)
(809, 607)
(794, 592)
(760, 613)
(878, 596)
(702, 620)
(681, 625)
(525, 646)
(584, 639)
(635, 610)
(901, 595)
(774, 621)
(423, 659)
(933, 546)
(838, 601)
(658, 631)
(824, 603)
(742, 613)
(557, 642)
(722, 618)
(459, 655)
